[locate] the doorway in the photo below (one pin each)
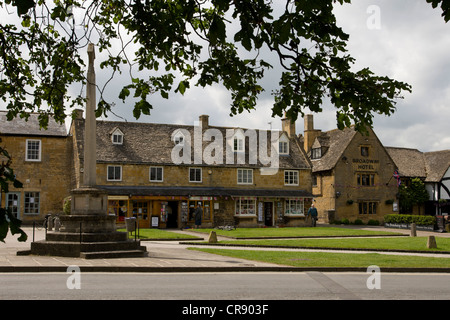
(172, 214)
(268, 214)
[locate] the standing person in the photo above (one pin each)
(198, 215)
(313, 213)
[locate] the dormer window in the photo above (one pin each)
(316, 153)
(178, 138)
(283, 145)
(239, 141)
(117, 136)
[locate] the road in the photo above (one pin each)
(256, 286)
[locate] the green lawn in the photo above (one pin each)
(159, 234)
(294, 232)
(326, 259)
(388, 243)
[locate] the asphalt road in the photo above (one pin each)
(257, 286)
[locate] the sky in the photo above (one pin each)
(406, 40)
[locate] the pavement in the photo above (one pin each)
(163, 256)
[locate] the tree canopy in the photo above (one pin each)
(184, 43)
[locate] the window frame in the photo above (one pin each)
(32, 208)
(27, 150)
(156, 180)
(298, 203)
(246, 204)
(108, 178)
(295, 178)
(201, 175)
(242, 176)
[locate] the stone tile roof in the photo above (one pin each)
(18, 126)
(333, 145)
(151, 143)
(412, 163)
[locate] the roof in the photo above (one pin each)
(410, 162)
(431, 166)
(30, 127)
(177, 191)
(151, 143)
(333, 144)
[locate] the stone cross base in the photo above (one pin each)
(89, 201)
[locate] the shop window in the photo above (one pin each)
(295, 207)
(245, 176)
(206, 208)
(140, 210)
(31, 203)
(118, 208)
(245, 206)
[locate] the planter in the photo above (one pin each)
(408, 226)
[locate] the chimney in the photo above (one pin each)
(78, 114)
(309, 132)
(204, 121)
(288, 126)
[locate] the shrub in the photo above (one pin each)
(345, 221)
(409, 218)
(373, 222)
(358, 222)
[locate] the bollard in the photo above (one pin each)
(212, 237)
(57, 223)
(431, 243)
(50, 223)
(413, 230)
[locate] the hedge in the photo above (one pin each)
(409, 218)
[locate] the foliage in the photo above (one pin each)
(7, 220)
(67, 205)
(183, 43)
(414, 194)
(409, 218)
(373, 222)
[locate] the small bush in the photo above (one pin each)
(409, 218)
(373, 222)
(358, 222)
(345, 221)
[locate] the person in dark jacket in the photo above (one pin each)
(198, 213)
(312, 212)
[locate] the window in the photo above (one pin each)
(367, 207)
(245, 206)
(316, 153)
(365, 179)
(294, 207)
(31, 204)
(117, 137)
(291, 177)
(195, 175)
(33, 151)
(114, 173)
(178, 138)
(156, 174)
(13, 203)
(238, 144)
(283, 145)
(245, 176)
(364, 151)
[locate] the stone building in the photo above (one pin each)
(41, 161)
(433, 168)
(352, 174)
(158, 172)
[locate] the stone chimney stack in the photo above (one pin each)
(309, 132)
(204, 121)
(288, 126)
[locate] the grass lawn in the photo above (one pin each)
(326, 259)
(158, 234)
(388, 243)
(294, 232)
